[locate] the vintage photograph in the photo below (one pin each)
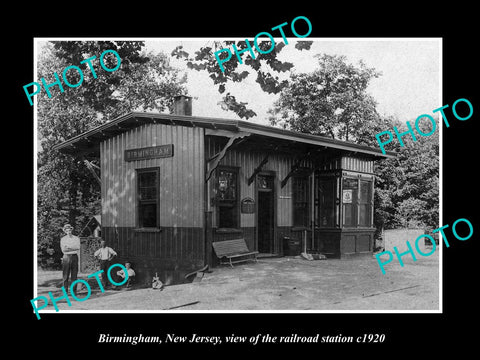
(168, 183)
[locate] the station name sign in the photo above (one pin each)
(152, 152)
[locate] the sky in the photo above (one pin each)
(410, 84)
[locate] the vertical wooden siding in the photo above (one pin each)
(180, 243)
(247, 159)
(181, 176)
(356, 164)
(348, 163)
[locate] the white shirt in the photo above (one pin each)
(104, 253)
(129, 271)
(70, 244)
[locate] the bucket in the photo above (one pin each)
(291, 247)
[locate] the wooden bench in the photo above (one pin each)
(233, 249)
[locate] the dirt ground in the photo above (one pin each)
(288, 283)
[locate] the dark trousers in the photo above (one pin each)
(104, 265)
(70, 268)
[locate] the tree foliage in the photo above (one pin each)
(407, 186)
(67, 191)
(266, 66)
(333, 101)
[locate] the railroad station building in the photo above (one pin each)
(172, 184)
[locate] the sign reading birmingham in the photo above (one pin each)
(152, 152)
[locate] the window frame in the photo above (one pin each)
(319, 207)
(356, 203)
(235, 170)
(368, 203)
(155, 170)
(306, 176)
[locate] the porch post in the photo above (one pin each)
(312, 206)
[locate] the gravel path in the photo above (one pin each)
(279, 284)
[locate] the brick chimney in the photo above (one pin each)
(182, 105)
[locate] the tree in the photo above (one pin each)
(67, 191)
(265, 65)
(407, 186)
(331, 101)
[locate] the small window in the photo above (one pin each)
(264, 182)
(325, 202)
(227, 198)
(365, 205)
(301, 201)
(148, 197)
(357, 202)
(350, 202)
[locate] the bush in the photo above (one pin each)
(89, 245)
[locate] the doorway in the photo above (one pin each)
(265, 214)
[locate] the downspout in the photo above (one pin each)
(207, 207)
(312, 207)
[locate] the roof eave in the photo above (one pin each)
(134, 119)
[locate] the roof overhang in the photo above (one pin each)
(88, 143)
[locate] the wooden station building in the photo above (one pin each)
(171, 184)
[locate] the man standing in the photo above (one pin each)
(104, 254)
(70, 245)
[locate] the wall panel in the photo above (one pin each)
(181, 211)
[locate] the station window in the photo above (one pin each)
(301, 201)
(148, 197)
(357, 202)
(350, 202)
(325, 202)
(365, 205)
(227, 198)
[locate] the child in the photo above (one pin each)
(130, 272)
(104, 254)
(156, 283)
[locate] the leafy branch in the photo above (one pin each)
(266, 65)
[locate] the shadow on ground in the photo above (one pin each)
(288, 283)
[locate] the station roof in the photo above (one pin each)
(88, 142)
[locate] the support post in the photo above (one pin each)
(312, 207)
(90, 167)
(294, 168)
(257, 170)
(216, 159)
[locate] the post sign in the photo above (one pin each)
(247, 206)
(152, 152)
